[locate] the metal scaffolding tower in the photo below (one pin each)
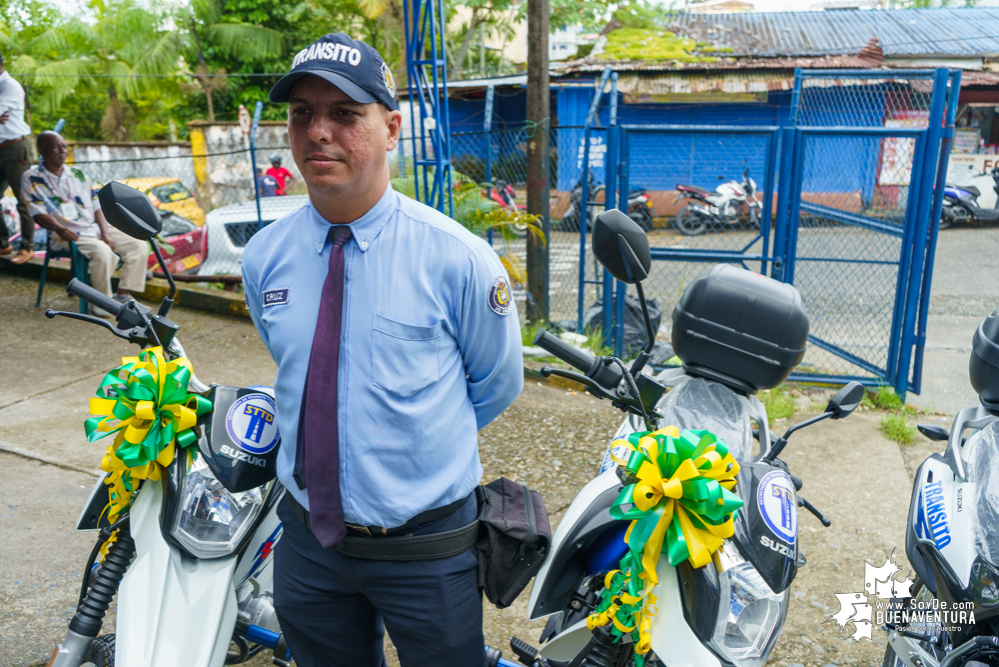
(426, 78)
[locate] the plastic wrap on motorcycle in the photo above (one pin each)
(240, 438)
(766, 528)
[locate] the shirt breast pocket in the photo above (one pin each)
(404, 356)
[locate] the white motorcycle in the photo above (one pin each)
(952, 536)
(731, 204)
(736, 332)
(191, 560)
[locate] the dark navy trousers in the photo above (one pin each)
(334, 608)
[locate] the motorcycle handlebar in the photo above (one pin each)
(564, 351)
(94, 297)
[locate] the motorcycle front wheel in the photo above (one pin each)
(690, 222)
(102, 651)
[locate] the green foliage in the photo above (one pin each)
(528, 330)
(895, 427)
(885, 398)
(778, 402)
(595, 343)
(652, 44)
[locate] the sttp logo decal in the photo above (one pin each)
(778, 505)
(275, 297)
(252, 424)
(933, 515)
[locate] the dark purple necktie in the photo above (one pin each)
(320, 441)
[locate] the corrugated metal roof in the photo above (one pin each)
(970, 32)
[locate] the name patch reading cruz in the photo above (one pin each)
(275, 297)
(252, 424)
(499, 297)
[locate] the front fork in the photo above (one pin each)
(89, 617)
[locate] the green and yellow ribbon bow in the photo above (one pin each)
(146, 403)
(681, 502)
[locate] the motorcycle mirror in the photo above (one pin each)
(846, 400)
(129, 211)
(934, 432)
(621, 246)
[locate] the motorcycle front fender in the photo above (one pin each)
(172, 610)
(671, 634)
(672, 637)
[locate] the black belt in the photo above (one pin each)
(395, 546)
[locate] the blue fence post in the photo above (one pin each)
(766, 210)
(622, 288)
(612, 198)
(591, 116)
(253, 159)
(919, 237)
(784, 189)
(487, 127)
(947, 138)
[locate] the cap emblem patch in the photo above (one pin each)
(389, 79)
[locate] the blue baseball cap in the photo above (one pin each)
(352, 66)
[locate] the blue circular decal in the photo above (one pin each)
(252, 423)
(778, 505)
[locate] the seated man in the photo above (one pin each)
(63, 200)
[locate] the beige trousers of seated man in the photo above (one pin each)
(103, 260)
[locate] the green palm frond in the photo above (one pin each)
(245, 41)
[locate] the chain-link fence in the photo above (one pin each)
(854, 212)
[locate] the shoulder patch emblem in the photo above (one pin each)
(499, 297)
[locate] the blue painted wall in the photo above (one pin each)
(660, 161)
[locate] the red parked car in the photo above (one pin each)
(185, 239)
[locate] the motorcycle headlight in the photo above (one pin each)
(210, 520)
(750, 622)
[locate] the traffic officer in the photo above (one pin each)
(396, 340)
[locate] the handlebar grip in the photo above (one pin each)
(95, 297)
(564, 351)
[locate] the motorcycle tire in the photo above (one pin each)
(690, 223)
(102, 651)
(945, 222)
(642, 218)
(891, 659)
(520, 231)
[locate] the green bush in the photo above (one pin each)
(896, 428)
(777, 401)
(885, 398)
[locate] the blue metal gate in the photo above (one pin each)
(857, 173)
(867, 164)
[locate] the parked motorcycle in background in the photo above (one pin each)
(731, 204)
(639, 208)
(731, 610)
(571, 217)
(952, 536)
(974, 201)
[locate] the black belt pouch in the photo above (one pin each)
(514, 539)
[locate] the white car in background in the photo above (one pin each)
(228, 228)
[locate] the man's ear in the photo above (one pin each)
(394, 122)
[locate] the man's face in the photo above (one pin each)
(53, 150)
(339, 145)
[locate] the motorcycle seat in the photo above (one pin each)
(694, 188)
(970, 189)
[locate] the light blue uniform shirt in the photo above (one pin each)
(430, 350)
